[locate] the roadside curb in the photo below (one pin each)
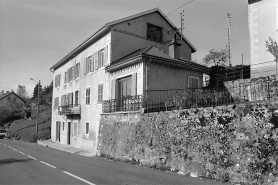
(76, 150)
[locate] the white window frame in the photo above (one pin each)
(87, 134)
(193, 77)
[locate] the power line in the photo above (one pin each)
(180, 6)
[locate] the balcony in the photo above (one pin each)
(73, 109)
(131, 103)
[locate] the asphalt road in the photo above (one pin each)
(29, 163)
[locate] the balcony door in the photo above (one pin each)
(124, 87)
(124, 92)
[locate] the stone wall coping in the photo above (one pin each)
(122, 112)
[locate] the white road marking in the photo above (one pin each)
(31, 157)
(5, 144)
(21, 152)
(47, 164)
(10, 147)
(14, 149)
(79, 178)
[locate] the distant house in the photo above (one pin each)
(114, 70)
(263, 23)
(12, 99)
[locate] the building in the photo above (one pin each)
(11, 99)
(114, 70)
(263, 23)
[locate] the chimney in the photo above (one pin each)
(174, 48)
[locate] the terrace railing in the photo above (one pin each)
(72, 109)
(131, 103)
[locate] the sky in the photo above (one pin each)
(36, 34)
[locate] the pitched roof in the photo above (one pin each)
(159, 56)
(7, 94)
(106, 28)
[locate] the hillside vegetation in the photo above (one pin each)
(25, 130)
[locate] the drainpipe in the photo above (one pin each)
(146, 77)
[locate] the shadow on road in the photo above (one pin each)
(9, 161)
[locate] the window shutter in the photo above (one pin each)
(96, 60)
(105, 61)
(92, 62)
(74, 72)
(59, 79)
(99, 59)
(84, 66)
(134, 84)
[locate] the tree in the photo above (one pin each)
(272, 47)
(35, 92)
(216, 57)
(21, 91)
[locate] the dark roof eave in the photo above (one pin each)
(159, 60)
(96, 36)
(124, 63)
(178, 63)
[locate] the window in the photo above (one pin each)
(76, 97)
(100, 58)
(92, 64)
(124, 87)
(75, 129)
(70, 74)
(9, 98)
(154, 33)
(56, 103)
(66, 77)
(87, 127)
(57, 80)
(76, 71)
(193, 82)
(63, 126)
(70, 98)
(87, 65)
(100, 93)
(88, 96)
(63, 100)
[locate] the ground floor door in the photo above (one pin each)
(58, 130)
(69, 133)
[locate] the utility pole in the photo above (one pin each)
(182, 23)
(37, 129)
(242, 68)
(39, 83)
(229, 41)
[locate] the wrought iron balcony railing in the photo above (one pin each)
(131, 103)
(73, 109)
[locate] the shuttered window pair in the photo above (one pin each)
(95, 61)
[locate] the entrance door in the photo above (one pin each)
(58, 130)
(69, 131)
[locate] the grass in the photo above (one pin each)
(25, 130)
